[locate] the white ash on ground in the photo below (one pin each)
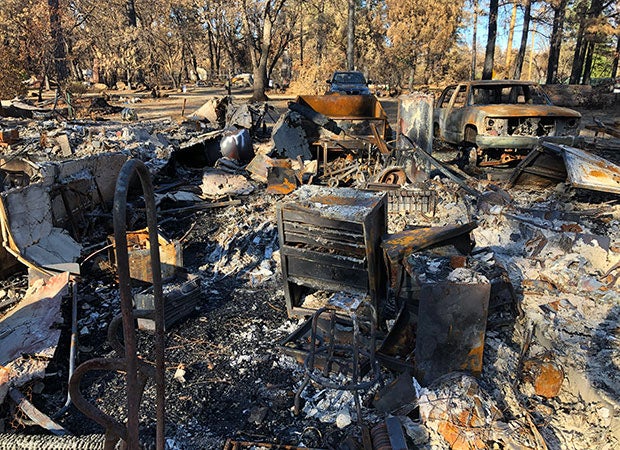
(551, 373)
(569, 302)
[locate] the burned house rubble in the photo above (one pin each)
(318, 275)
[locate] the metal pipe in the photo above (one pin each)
(72, 349)
(129, 333)
(373, 340)
(332, 343)
(355, 375)
(309, 361)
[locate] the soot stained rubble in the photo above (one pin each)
(520, 351)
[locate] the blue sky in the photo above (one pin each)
(503, 25)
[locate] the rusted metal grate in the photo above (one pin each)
(407, 200)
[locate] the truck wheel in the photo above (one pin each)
(470, 149)
(470, 135)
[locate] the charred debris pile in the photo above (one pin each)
(321, 282)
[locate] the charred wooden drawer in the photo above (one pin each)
(329, 240)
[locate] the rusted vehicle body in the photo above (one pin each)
(356, 115)
(501, 114)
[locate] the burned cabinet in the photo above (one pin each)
(330, 240)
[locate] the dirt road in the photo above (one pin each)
(175, 104)
(172, 102)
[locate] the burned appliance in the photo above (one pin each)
(329, 240)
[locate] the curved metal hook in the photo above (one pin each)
(129, 169)
(114, 430)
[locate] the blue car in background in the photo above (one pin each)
(350, 83)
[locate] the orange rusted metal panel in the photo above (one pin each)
(458, 440)
(170, 254)
(523, 111)
(281, 180)
(588, 171)
(339, 106)
(355, 114)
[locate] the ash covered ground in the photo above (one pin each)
(226, 377)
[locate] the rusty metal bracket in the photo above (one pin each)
(442, 168)
(137, 370)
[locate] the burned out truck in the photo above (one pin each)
(502, 119)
